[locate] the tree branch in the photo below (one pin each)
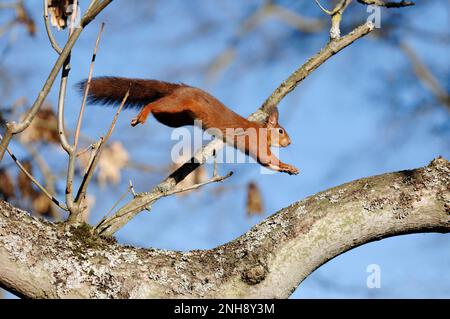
(425, 76)
(74, 207)
(48, 29)
(336, 17)
(81, 194)
(387, 4)
(39, 259)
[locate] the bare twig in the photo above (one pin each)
(293, 19)
(336, 17)
(117, 202)
(132, 189)
(87, 149)
(7, 5)
(427, 78)
(73, 150)
(301, 73)
(107, 226)
(227, 55)
(34, 180)
(328, 11)
(48, 29)
(13, 128)
(48, 176)
(216, 178)
(62, 91)
(110, 225)
(93, 145)
(267, 10)
(94, 150)
(86, 89)
(90, 171)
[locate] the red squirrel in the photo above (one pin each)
(177, 105)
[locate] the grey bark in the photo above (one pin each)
(39, 259)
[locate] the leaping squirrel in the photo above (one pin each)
(177, 105)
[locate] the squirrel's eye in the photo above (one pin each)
(280, 130)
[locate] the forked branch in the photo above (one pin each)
(13, 128)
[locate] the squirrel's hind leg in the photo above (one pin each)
(166, 104)
(142, 116)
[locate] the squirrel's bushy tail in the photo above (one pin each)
(111, 90)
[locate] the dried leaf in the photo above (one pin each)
(24, 183)
(41, 204)
(113, 159)
(43, 128)
(110, 165)
(254, 200)
(23, 17)
(59, 12)
(6, 185)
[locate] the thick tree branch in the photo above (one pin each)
(41, 259)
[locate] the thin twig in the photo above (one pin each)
(293, 19)
(226, 56)
(312, 64)
(336, 17)
(132, 189)
(325, 10)
(4, 6)
(72, 153)
(61, 102)
(62, 95)
(214, 179)
(106, 225)
(116, 203)
(86, 89)
(427, 78)
(95, 147)
(85, 150)
(87, 177)
(48, 29)
(267, 10)
(34, 180)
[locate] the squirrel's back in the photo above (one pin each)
(111, 90)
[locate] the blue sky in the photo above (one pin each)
(339, 119)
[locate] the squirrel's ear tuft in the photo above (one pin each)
(272, 120)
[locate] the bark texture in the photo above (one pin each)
(39, 259)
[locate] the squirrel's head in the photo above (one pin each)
(277, 135)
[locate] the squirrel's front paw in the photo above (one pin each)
(135, 121)
(291, 170)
